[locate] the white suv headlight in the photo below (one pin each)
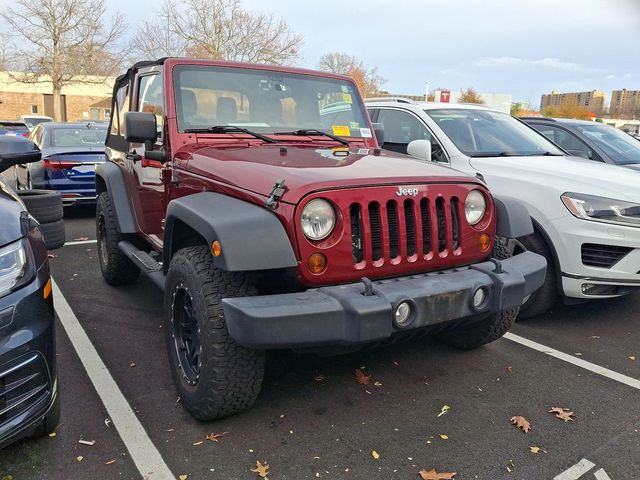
(601, 209)
(13, 266)
(318, 219)
(475, 206)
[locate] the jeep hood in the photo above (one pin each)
(307, 169)
(564, 174)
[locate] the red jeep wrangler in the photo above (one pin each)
(257, 198)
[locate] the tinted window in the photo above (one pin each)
(401, 128)
(85, 136)
(565, 139)
(619, 146)
(478, 132)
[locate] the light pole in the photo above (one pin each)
(426, 92)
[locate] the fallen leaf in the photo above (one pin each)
(632, 357)
(433, 475)
(50, 255)
(110, 462)
(563, 413)
(183, 477)
(377, 384)
(444, 437)
(444, 410)
(534, 449)
(215, 436)
(510, 369)
(521, 423)
(195, 444)
(132, 365)
(319, 377)
(261, 470)
(578, 354)
(52, 434)
(375, 454)
(510, 466)
(79, 458)
(81, 239)
(361, 377)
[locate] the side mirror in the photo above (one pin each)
(579, 153)
(420, 149)
(378, 131)
(140, 127)
(17, 150)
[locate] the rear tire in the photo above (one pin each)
(53, 234)
(546, 296)
(215, 376)
(479, 333)
(116, 267)
(43, 205)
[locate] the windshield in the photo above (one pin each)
(620, 146)
(79, 137)
(488, 133)
(267, 102)
(33, 121)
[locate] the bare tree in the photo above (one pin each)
(470, 95)
(368, 79)
(62, 42)
(218, 29)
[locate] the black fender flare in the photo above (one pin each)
(110, 178)
(252, 238)
(512, 218)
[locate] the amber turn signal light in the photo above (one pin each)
(485, 242)
(47, 289)
(317, 263)
(216, 248)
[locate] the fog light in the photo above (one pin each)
(479, 297)
(403, 313)
(317, 263)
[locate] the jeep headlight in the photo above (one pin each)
(602, 209)
(13, 266)
(318, 219)
(475, 206)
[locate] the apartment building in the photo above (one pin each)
(625, 104)
(594, 101)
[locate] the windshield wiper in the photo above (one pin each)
(229, 129)
(494, 154)
(312, 132)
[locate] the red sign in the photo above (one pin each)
(445, 95)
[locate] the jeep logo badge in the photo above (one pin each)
(403, 192)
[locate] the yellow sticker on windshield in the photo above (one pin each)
(346, 98)
(341, 130)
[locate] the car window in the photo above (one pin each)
(487, 133)
(81, 137)
(564, 139)
(619, 146)
(151, 98)
(121, 106)
(401, 128)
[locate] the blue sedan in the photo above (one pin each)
(70, 153)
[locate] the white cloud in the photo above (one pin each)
(551, 63)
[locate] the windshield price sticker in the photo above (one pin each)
(341, 130)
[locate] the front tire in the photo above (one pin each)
(116, 267)
(479, 333)
(546, 296)
(215, 376)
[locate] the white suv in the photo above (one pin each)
(586, 214)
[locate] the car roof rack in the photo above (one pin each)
(390, 99)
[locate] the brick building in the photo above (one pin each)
(80, 101)
(594, 101)
(625, 104)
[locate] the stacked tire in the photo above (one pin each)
(46, 207)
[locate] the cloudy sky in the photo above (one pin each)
(522, 47)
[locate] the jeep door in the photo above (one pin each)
(147, 180)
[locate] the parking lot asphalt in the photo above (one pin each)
(313, 420)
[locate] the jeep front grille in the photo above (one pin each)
(404, 229)
(23, 383)
(603, 256)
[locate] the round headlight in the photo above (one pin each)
(474, 207)
(318, 219)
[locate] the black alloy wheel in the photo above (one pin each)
(186, 335)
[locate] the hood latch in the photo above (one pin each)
(276, 193)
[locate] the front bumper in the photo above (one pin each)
(27, 358)
(568, 234)
(351, 315)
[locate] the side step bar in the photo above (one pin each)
(145, 262)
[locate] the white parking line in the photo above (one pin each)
(142, 450)
(578, 362)
(575, 472)
(79, 242)
(601, 475)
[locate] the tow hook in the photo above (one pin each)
(368, 287)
